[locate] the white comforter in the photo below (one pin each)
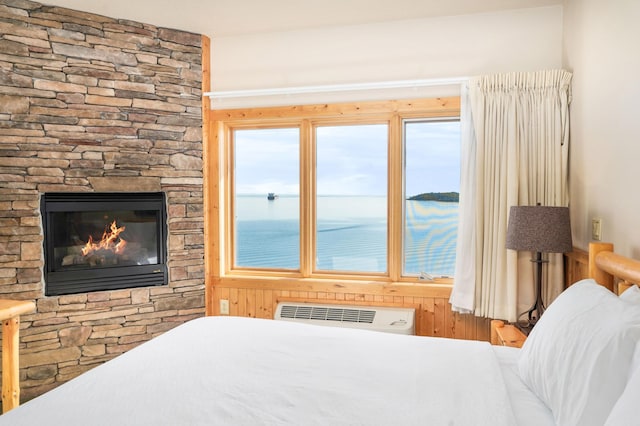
(240, 371)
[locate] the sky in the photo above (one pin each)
(351, 160)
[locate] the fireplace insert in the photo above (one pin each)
(103, 241)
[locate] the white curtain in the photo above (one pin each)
(514, 152)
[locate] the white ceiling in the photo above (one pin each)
(217, 18)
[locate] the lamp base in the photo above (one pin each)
(537, 309)
(532, 316)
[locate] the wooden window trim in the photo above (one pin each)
(219, 202)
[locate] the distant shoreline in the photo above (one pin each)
(448, 197)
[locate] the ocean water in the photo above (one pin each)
(351, 234)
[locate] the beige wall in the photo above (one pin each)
(600, 48)
(454, 46)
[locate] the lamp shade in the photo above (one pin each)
(542, 229)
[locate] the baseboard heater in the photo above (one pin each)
(389, 320)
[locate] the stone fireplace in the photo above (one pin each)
(96, 105)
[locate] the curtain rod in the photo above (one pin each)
(226, 94)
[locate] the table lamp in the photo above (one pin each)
(540, 229)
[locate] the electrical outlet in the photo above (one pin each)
(224, 307)
(596, 229)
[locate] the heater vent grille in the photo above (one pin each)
(391, 320)
(328, 314)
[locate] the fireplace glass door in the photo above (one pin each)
(103, 241)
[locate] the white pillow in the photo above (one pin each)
(632, 294)
(577, 357)
(625, 412)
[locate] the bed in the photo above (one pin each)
(245, 371)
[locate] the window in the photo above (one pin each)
(367, 191)
(351, 198)
(431, 191)
(267, 233)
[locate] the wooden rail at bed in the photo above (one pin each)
(605, 267)
(10, 311)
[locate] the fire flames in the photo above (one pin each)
(110, 241)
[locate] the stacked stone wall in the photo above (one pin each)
(95, 104)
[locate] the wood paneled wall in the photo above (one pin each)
(434, 316)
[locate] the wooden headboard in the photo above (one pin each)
(614, 271)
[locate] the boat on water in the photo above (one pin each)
(271, 196)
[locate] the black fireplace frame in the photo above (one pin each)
(109, 278)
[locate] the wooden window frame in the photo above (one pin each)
(219, 186)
